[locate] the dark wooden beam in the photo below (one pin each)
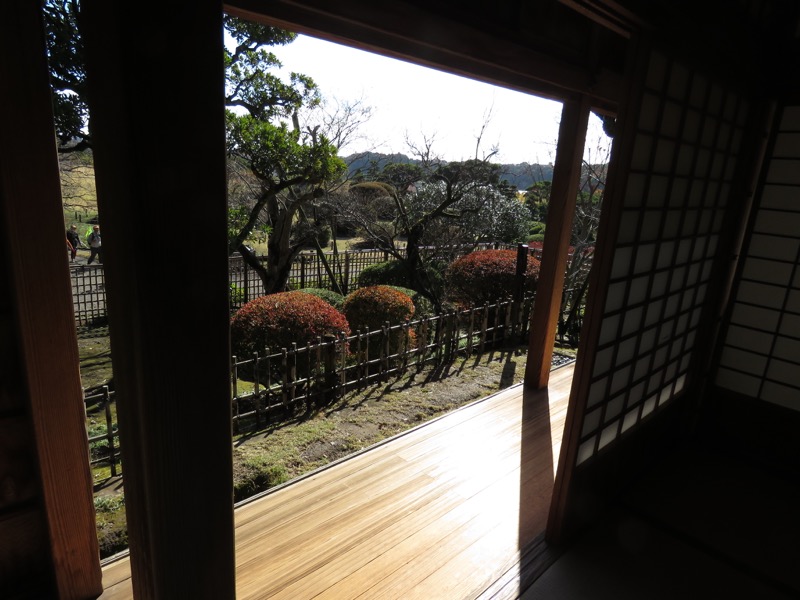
(561, 523)
(408, 32)
(41, 298)
(560, 214)
(156, 96)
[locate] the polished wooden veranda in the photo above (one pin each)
(441, 511)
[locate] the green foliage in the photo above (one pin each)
(237, 219)
(536, 237)
(422, 306)
(112, 524)
(537, 227)
(278, 155)
(305, 232)
(393, 272)
(537, 200)
(236, 294)
(487, 276)
(259, 476)
(277, 320)
(400, 175)
(370, 307)
(109, 503)
(65, 55)
(329, 296)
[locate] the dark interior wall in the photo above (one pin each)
(24, 559)
(760, 355)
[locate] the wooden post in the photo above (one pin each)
(256, 390)
(112, 451)
(561, 209)
(246, 272)
(38, 329)
(346, 281)
(175, 431)
(331, 379)
(521, 269)
(235, 394)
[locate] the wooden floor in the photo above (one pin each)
(433, 513)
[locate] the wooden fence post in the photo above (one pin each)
(319, 378)
(112, 451)
(484, 327)
(255, 388)
(293, 375)
(331, 378)
(235, 393)
(519, 291)
(346, 282)
(246, 273)
(284, 370)
(385, 350)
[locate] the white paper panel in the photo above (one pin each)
(787, 349)
(791, 119)
(761, 294)
(780, 197)
(767, 271)
(743, 361)
(609, 435)
(781, 395)
(778, 223)
(786, 171)
(737, 381)
(787, 145)
(780, 248)
(784, 372)
(757, 341)
(762, 319)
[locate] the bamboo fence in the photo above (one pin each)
(282, 382)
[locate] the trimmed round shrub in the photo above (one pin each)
(277, 320)
(487, 276)
(329, 296)
(374, 305)
(370, 307)
(393, 272)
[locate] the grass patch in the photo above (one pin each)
(365, 417)
(112, 524)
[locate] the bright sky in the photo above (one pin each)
(409, 100)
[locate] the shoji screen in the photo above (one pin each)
(761, 353)
(687, 136)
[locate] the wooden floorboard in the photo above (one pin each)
(432, 513)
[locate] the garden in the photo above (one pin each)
(317, 375)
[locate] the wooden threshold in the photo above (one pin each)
(442, 511)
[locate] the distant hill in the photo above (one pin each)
(521, 175)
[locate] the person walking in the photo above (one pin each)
(74, 241)
(95, 245)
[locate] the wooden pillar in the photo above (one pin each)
(560, 212)
(41, 301)
(156, 94)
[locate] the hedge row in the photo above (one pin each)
(277, 320)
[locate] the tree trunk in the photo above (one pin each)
(420, 281)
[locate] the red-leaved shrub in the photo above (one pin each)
(374, 305)
(487, 276)
(277, 320)
(371, 307)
